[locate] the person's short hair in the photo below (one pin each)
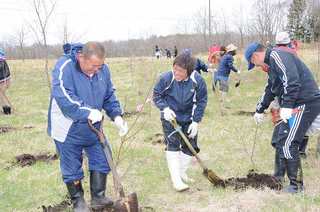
(93, 48)
(185, 61)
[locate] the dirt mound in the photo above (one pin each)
(62, 206)
(244, 113)
(28, 159)
(254, 180)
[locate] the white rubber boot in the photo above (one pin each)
(185, 161)
(174, 169)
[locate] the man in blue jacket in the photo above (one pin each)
(290, 80)
(180, 94)
(81, 88)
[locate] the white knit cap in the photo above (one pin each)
(282, 38)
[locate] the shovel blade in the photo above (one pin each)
(127, 204)
(213, 178)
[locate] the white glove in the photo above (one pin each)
(285, 114)
(168, 114)
(239, 71)
(258, 118)
(95, 116)
(193, 129)
(122, 125)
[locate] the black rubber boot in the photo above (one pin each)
(6, 110)
(279, 168)
(98, 182)
(76, 193)
(294, 172)
(303, 146)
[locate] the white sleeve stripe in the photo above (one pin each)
(278, 61)
(62, 87)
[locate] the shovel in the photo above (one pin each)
(125, 203)
(208, 173)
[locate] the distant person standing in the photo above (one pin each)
(4, 83)
(175, 51)
(225, 67)
(168, 53)
(157, 52)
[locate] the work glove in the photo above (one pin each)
(258, 118)
(193, 129)
(95, 116)
(168, 114)
(122, 125)
(239, 71)
(285, 114)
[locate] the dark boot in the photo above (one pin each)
(279, 168)
(76, 193)
(294, 172)
(303, 146)
(6, 110)
(98, 182)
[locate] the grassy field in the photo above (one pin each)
(225, 142)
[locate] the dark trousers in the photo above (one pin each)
(174, 141)
(288, 137)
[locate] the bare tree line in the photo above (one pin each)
(267, 18)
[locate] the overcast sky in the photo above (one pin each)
(113, 19)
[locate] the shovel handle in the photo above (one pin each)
(187, 142)
(117, 182)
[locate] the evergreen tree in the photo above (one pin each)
(296, 20)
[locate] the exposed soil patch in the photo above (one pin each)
(254, 180)
(157, 138)
(128, 114)
(5, 129)
(244, 113)
(28, 159)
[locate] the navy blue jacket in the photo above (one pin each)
(225, 66)
(74, 95)
(289, 79)
(188, 98)
(200, 66)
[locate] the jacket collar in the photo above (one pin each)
(267, 56)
